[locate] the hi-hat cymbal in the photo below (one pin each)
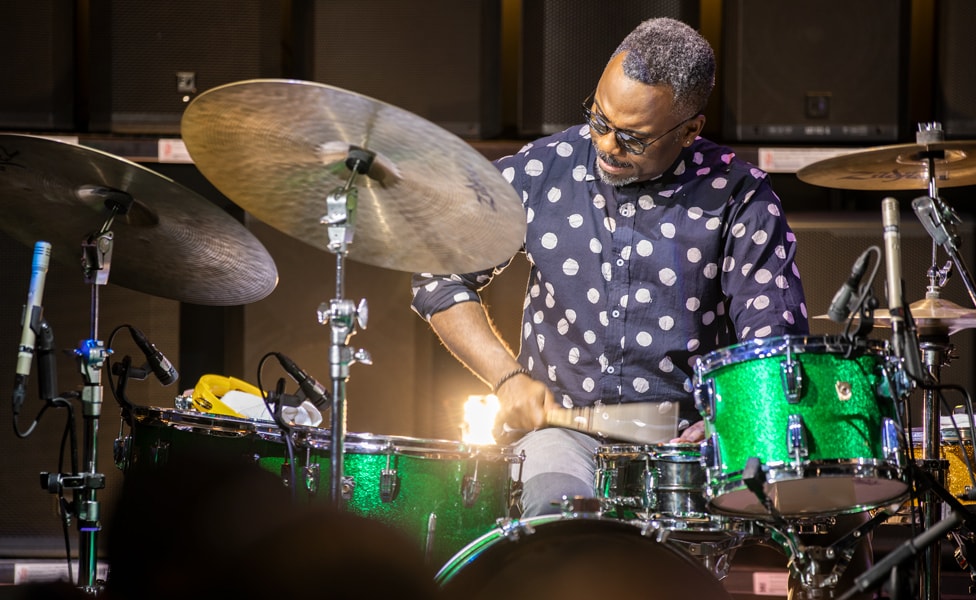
(430, 202)
(900, 167)
(172, 243)
(931, 315)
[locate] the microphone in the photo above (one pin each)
(33, 312)
(160, 365)
(903, 341)
(931, 217)
(314, 390)
(840, 306)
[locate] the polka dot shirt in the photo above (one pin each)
(630, 285)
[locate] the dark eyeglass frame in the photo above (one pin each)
(631, 144)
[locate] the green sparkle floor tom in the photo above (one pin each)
(442, 493)
(810, 421)
(445, 493)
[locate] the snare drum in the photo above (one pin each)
(553, 556)
(662, 482)
(958, 456)
(812, 420)
(442, 493)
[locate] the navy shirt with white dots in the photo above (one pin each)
(630, 285)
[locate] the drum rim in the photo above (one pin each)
(759, 348)
(456, 566)
(318, 438)
(870, 469)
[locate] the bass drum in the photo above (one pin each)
(574, 558)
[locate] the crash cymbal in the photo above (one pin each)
(172, 243)
(931, 314)
(430, 202)
(900, 167)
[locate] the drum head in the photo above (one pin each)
(574, 559)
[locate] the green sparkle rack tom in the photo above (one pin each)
(807, 425)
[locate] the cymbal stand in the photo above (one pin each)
(939, 221)
(91, 354)
(938, 218)
(342, 316)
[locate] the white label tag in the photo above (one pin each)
(766, 583)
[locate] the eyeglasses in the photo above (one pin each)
(630, 143)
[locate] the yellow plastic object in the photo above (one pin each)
(210, 388)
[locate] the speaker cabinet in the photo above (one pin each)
(565, 46)
(439, 59)
(827, 71)
(38, 71)
(956, 81)
(149, 59)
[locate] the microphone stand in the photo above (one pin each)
(342, 315)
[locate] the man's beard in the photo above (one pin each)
(614, 180)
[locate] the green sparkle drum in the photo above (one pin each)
(575, 558)
(446, 493)
(806, 425)
(442, 493)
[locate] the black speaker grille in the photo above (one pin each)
(38, 70)
(825, 71)
(438, 59)
(956, 100)
(566, 45)
(219, 41)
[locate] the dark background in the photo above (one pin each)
(806, 76)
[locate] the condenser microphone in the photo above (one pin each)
(33, 312)
(904, 344)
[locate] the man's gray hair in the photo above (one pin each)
(667, 51)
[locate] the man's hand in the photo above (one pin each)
(691, 435)
(524, 402)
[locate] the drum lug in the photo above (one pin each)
(791, 373)
(389, 485)
(890, 444)
(705, 399)
(470, 490)
(312, 475)
(159, 452)
(122, 451)
(348, 487)
(651, 478)
(797, 437)
(710, 453)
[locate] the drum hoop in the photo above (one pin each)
(188, 420)
(760, 348)
(319, 439)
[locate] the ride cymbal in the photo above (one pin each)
(429, 202)
(171, 243)
(900, 167)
